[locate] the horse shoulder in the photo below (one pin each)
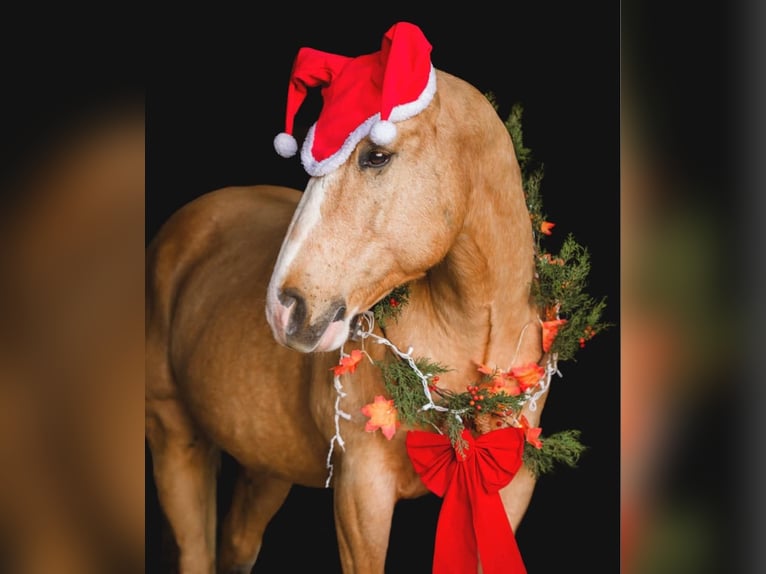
(190, 262)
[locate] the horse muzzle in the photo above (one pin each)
(295, 324)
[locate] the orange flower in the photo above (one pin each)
(348, 363)
(383, 415)
(532, 434)
(550, 330)
(497, 375)
(551, 312)
(528, 375)
(546, 227)
(508, 385)
(484, 369)
(548, 257)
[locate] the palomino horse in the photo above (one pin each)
(251, 292)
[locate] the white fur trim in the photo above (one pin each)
(406, 111)
(383, 132)
(285, 145)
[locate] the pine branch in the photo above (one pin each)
(559, 290)
(563, 447)
(390, 307)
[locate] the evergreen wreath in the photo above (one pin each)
(570, 318)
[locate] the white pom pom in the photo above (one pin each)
(383, 132)
(285, 145)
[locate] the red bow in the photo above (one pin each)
(472, 521)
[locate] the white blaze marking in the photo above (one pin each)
(307, 215)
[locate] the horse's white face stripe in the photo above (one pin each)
(306, 216)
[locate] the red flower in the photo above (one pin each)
(348, 363)
(532, 434)
(528, 375)
(550, 330)
(546, 227)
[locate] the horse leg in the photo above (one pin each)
(256, 499)
(363, 509)
(517, 495)
(185, 467)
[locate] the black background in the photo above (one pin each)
(215, 103)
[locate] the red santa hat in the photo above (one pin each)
(362, 96)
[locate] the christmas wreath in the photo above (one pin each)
(466, 422)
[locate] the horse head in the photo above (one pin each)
(384, 204)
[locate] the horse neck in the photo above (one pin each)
(478, 298)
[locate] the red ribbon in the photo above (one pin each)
(472, 521)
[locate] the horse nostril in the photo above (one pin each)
(287, 297)
(292, 300)
(340, 314)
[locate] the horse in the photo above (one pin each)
(253, 290)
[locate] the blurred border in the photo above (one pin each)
(72, 175)
(692, 268)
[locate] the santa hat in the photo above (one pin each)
(362, 96)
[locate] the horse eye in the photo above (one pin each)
(374, 158)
